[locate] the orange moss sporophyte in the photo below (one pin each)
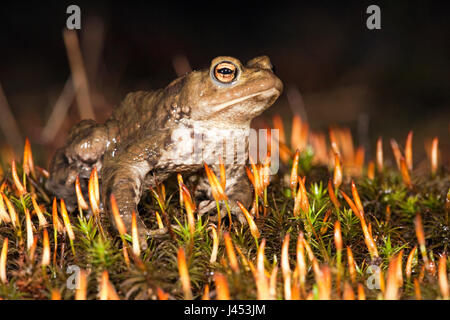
(3, 260)
(443, 278)
(190, 208)
(409, 150)
(261, 280)
(251, 222)
(184, 274)
(409, 263)
(434, 156)
(232, 259)
(37, 210)
(80, 199)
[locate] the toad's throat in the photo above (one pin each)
(264, 94)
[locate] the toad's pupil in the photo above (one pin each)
(225, 71)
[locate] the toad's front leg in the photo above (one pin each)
(125, 181)
(237, 188)
(123, 176)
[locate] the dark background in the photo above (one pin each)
(388, 81)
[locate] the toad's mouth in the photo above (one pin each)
(268, 94)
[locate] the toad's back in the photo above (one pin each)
(136, 113)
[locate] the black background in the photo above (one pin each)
(316, 46)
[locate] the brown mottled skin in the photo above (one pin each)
(136, 144)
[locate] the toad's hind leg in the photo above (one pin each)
(84, 150)
(62, 179)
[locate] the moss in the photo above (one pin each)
(389, 207)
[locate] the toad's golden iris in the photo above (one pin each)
(225, 72)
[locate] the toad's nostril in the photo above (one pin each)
(262, 62)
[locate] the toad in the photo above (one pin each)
(152, 135)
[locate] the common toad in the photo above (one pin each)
(152, 135)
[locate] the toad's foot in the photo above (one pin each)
(210, 207)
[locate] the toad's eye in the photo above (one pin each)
(225, 72)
